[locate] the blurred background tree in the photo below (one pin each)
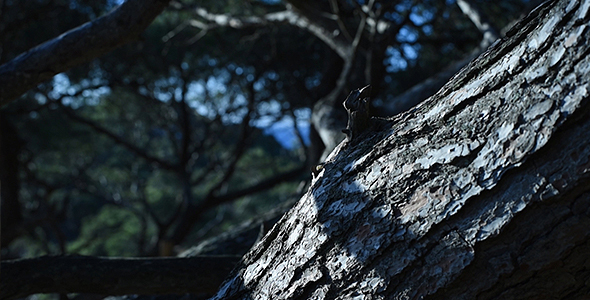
(213, 117)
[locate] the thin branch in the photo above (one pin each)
(240, 147)
(329, 134)
(175, 31)
(205, 229)
(185, 123)
(148, 208)
(336, 12)
(191, 214)
(490, 34)
(304, 152)
(348, 63)
(430, 85)
(298, 18)
(259, 187)
(117, 139)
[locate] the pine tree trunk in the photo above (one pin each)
(482, 191)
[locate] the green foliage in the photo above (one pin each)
(110, 232)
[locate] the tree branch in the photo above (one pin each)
(192, 212)
(490, 34)
(259, 187)
(119, 140)
(291, 16)
(77, 46)
(431, 85)
(113, 276)
(323, 111)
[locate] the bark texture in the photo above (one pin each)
(77, 46)
(482, 191)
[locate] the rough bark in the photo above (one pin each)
(77, 46)
(482, 191)
(114, 276)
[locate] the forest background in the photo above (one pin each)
(211, 120)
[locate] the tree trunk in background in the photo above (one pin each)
(79, 45)
(482, 191)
